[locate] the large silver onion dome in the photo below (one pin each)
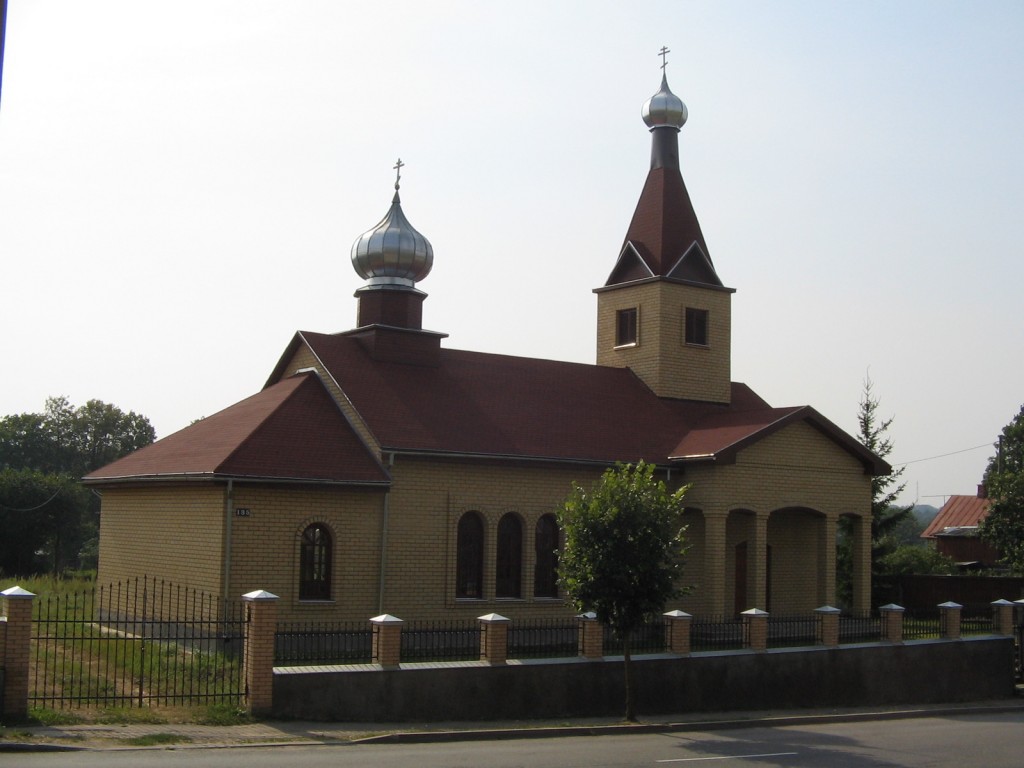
(664, 108)
(393, 252)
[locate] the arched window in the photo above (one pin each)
(509, 564)
(545, 571)
(315, 563)
(469, 558)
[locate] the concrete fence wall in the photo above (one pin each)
(917, 672)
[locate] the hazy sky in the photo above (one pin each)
(180, 184)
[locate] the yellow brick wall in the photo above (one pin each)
(169, 532)
(661, 357)
(265, 547)
(425, 507)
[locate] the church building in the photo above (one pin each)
(380, 471)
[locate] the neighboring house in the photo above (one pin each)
(954, 531)
(381, 472)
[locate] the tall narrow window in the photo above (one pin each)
(545, 570)
(625, 327)
(696, 326)
(469, 557)
(315, 563)
(509, 564)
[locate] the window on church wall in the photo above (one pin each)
(626, 327)
(509, 563)
(469, 557)
(315, 552)
(696, 326)
(546, 546)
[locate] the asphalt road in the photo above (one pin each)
(990, 740)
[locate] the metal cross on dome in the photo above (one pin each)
(398, 171)
(664, 52)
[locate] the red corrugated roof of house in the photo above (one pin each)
(487, 404)
(290, 431)
(957, 512)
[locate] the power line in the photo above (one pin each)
(33, 509)
(943, 455)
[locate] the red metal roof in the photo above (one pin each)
(957, 512)
(290, 431)
(468, 404)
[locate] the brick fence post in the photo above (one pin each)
(949, 620)
(755, 625)
(591, 636)
(493, 638)
(259, 650)
(828, 625)
(15, 636)
(1002, 617)
(892, 622)
(387, 640)
(678, 625)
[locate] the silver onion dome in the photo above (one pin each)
(393, 252)
(664, 109)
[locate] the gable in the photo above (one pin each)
(292, 431)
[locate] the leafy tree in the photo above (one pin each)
(623, 552)
(42, 457)
(916, 559)
(887, 519)
(1004, 484)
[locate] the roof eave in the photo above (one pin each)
(200, 477)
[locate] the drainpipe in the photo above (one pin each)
(384, 539)
(229, 511)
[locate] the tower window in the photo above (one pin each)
(625, 327)
(696, 330)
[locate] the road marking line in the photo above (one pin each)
(724, 757)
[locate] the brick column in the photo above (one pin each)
(1002, 617)
(387, 640)
(827, 558)
(757, 561)
(714, 564)
(862, 565)
(591, 636)
(15, 637)
(892, 622)
(259, 650)
(493, 638)
(678, 625)
(828, 625)
(949, 620)
(755, 626)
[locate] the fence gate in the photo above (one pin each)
(136, 643)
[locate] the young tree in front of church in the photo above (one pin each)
(1004, 485)
(886, 515)
(623, 552)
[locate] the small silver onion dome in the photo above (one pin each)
(393, 252)
(664, 108)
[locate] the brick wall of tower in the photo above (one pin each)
(669, 366)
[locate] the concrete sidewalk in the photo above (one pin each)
(275, 733)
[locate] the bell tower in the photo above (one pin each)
(664, 312)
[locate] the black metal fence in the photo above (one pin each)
(440, 641)
(540, 638)
(322, 642)
(716, 633)
(649, 638)
(136, 643)
(793, 631)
